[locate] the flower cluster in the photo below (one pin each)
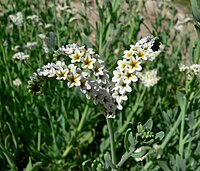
(86, 71)
(20, 56)
(33, 18)
(81, 67)
(30, 45)
(191, 70)
(149, 78)
(17, 19)
(129, 67)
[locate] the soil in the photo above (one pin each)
(183, 13)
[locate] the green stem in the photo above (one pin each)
(126, 157)
(171, 132)
(125, 125)
(39, 135)
(67, 150)
(80, 126)
(112, 141)
(181, 142)
(146, 167)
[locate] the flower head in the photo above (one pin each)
(87, 72)
(17, 82)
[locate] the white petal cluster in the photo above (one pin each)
(30, 45)
(81, 67)
(138, 159)
(193, 69)
(33, 18)
(20, 56)
(85, 70)
(17, 82)
(17, 19)
(128, 68)
(149, 78)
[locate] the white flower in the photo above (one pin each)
(30, 45)
(42, 36)
(137, 159)
(20, 56)
(76, 56)
(123, 87)
(84, 86)
(59, 63)
(128, 53)
(88, 62)
(183, 68)
(129, 76)
(17, 82)
(134, 65)
(147, 47)
(48, 25)
(33, 18)
(195, 68)
(149, 78)
(17, 19)
(52, 72)
(98, 68)
(117, 75)
(74, 80)
(121, 64)
(141, 54)
(119, 97)
(62, 73)
(135, 47)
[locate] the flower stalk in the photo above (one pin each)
(112, 140)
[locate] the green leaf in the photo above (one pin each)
(126, 141)
(181, 99)
(148, 125)
(84, 167)
(180, 163)
(86, 137)
(196, 15)
(108, 161)
(29, 167)
(131, 140)
(164, 165)
(160, 135)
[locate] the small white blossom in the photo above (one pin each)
(17, 19)
(74, 80)
(149, 78)
(76, 57)
(88, 62)
(33, 18)
(117, 75)
(20, 56)
(141, 54)
(129, 76)
(134, 65)
(123, 87)
(128, 53)
(122, 64)
(30, 45)
(17, 82)
(119, 97)
(62, 73)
